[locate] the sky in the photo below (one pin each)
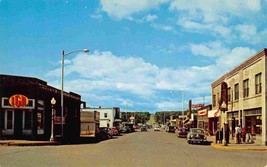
(147, 55)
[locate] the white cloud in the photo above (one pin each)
(211, 49)
(125, 9)
(149, 18)
(112, 76)
(225, 59)
(216, 10)
(162, 27)
(213, 17)
(249, 33)
(105, 72)
(235, 57)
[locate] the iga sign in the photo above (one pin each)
(202, 112)
(18, 101)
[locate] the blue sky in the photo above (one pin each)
(142, 53)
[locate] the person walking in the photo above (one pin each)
(243, 134)
(237, 133)
(227, 134)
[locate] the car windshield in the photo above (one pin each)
(197, 131)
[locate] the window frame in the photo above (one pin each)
(236, 89)
(258, 84)
(246, 88)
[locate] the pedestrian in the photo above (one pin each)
(217, 135)
(221, 136)
(243, 134)
(227, 134)
(237, 134)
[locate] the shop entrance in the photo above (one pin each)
(13, 123)
(18, 124)
(254, 124)
(8, 122)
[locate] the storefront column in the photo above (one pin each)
(264, 106)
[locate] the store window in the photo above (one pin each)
(40, 117)
(214, 100)
(246, 88)
(258, 83)
(27, 120)
(236, 91)
(40, 120)
(229, 94)
(9, 119)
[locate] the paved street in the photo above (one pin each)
(134, 149)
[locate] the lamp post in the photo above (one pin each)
(62, 86)
(53, 102)
(223, 107)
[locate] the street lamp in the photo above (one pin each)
(62, 86)
(53, 102)
(223, 107)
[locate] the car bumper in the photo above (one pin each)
(197, 141)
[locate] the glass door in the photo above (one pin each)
(9, 122)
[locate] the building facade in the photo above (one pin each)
(109, 117)
(26, 110)
(202, 117)
(246, 97)
(89, 123)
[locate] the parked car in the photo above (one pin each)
(143, 128)
(196, 136)
(125, 129)
(115, 131)
(157, 128)
(104, 133)
(170, 128)
(136, 127)
(182, 132)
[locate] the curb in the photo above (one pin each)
(29, 144)
(236, 148)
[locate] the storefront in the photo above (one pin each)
(253, 121)
(214, 121)
(233, 120)
(26, 110)
(202, 118)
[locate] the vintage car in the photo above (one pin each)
(196, 136)
(157, 128)
(104, 133)
(182, 132)
(143, 128)
(115, 131)
(170, 128)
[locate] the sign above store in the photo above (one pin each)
(18, 101)
(197, 105)
(202, 112)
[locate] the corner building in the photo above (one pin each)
(247, 98)
(26, 110)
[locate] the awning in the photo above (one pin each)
(186, 120)
(189, 123)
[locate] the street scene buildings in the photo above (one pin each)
(26, 109)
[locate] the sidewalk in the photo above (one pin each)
(27, 143)
(233, 146)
